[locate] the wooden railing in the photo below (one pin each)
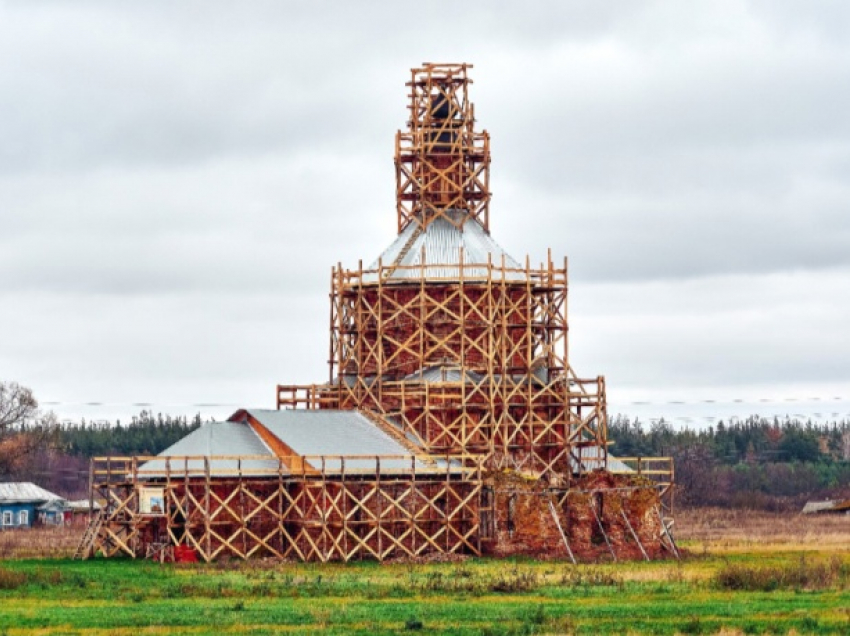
(658, 469)
(107, 470)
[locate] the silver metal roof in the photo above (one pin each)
(333, 433)
(591, 459)
(439, 247)
(25, 492)
(310, 434)
(82, 505)
(812, 507)
(313, 434)
(443, 373)
(216, 439)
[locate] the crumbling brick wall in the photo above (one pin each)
(524, 523)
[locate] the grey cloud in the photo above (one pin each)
(720, 331)
(177, 179)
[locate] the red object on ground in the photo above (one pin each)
(185, 554)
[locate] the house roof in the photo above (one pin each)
(331, 434)
(57, 505)
(216, 439)
(439, 246)
(329, 440)
(813, 507)
(25, 492)
(83, 505)
(314, 435)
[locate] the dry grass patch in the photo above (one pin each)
(803, 575)
(721, 530)
(39, 543)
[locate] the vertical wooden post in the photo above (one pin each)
(344, 495)
(134, 510)
(334, 344)
(379, 305)
(186, 502)
(91, 490)
(380, 507)
(167, 500)
(505, 363)
(422, 307)
(446, 507)
(207, 520)
(411, 507)
(323, 502)
(244, 523)
(280, 520)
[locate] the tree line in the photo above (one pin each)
(35, 447)
(57, 455)
(145, 434)
(755, 463)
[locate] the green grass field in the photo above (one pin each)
(745, 592)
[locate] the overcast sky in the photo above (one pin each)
(177, 178)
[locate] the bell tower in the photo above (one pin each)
(442, 163)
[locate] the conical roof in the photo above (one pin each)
(439, 246)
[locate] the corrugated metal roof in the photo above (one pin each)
(82, 505)
(813, 507)
(328, 433)
(439, 247)
(442, 373)
(217, 438)
(591, 459)
(24, 492)
(308, 433)
(311, 433)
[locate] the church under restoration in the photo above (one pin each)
(451, 420)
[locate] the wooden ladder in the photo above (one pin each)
(404, 250)
(86, 546)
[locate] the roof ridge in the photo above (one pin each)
(396, 435)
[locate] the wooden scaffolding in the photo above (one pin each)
(457, 354)
(325, 512)
(498, 339)
(442, 163)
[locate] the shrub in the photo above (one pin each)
(515, 581)
(589, 577)
(10, 580)
(693, 626)
(801, 575)
(413, 624)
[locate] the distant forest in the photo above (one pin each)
(63, 466)
(145, 434)
(757, 463)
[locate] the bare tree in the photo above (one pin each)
(17, 406)
(24, 430)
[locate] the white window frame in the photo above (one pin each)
(23, 517)
(7, 517)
